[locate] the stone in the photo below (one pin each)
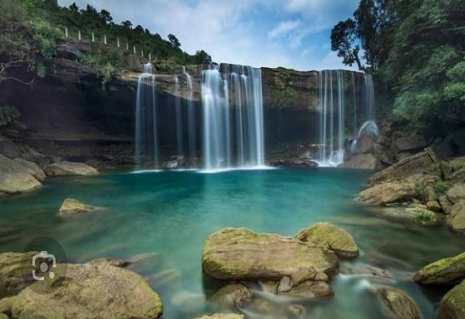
(447, 271)
(363, 161)
(16, 272)
(309, 291)
(15, 178)
(446, 205)
(456, 219)
(409, 143)
(242, 254)
(434, 206)
(69, 169)
(33, 168)
(230, 297)
(452, 305)
(396, 304)
(412, 165)
(456, 193)
(296, 312)
(417, 214)
(8, 148)
(71, 207)
(386, 193)
(92, 290)
(223, 316)
(335, 238)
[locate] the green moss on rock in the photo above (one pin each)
(446, 271)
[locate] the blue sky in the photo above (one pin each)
(289, 33)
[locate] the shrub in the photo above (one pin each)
(420, 190)
(8, 115)
(441, 187)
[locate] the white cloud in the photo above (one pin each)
(283, 28)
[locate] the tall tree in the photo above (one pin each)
(174, 41)
(344, 41)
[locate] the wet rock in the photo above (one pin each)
(452, 306)
(32, 168)
(367, 271)
(396, 304)
(69, 168)
(446, 271)
(241, 254)
(309, 291)
(433, 206)
(456, 219)
(363, 161)
(176, 162)
(92, 290)
(71, 207)
(416, 214)
(446, 205)
(412, 165)
(16, 272)
(230, 297)
(410, 143)
(293, 162)
(15, 178)
(222, 316)
(335, 238)
(456, 193)
(296, 312)
(386, 193)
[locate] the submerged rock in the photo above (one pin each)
(414, 214)
(396, 304)
(456, 219)
(92, 290)
(15, 178)
(223, 316)
(230, 297)
(452, 306)
(189, 303)
(308, 291)
(69, 168)
(72, 207)
(241, 254)
(446, 271)
(335, 238)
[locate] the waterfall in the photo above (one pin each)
(333, 105)
(179, 130)
(191, 118)
(232, 117)
(146, 147)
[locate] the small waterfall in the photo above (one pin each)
(146, 139)
(333, 106)
(179, 128)
(191, 118)
(224, 112)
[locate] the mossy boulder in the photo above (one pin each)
(446, 271)
(335, 238)
(92, 290)
(16, 178)
(456, 193)
(396, 304)
(456, 219)
(228, 298)
(242, 254)
(69, 169)
(72, 207)
(16, 272)
(452, 306)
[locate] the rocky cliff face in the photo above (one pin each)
(71, 114)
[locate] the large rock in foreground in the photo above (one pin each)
(241, 254)
(396, 304)
(448, 271)
(335, 238)
(15, 178)
(69, 168)
(452, 306)
(92, 290)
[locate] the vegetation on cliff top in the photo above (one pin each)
(416, 49)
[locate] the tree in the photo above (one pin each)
(174, 41)
(344, 41)
(127, 24)
(202, 57)
(74, 8)
(106, 17)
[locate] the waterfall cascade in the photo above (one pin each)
(334, 92)
(191, 118)
(146, 139)
(232, 118)
(179, 128)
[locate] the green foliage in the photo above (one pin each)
(8, 115)
(441, 187)
(424, 216)
(107, 62)
(420, 190)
